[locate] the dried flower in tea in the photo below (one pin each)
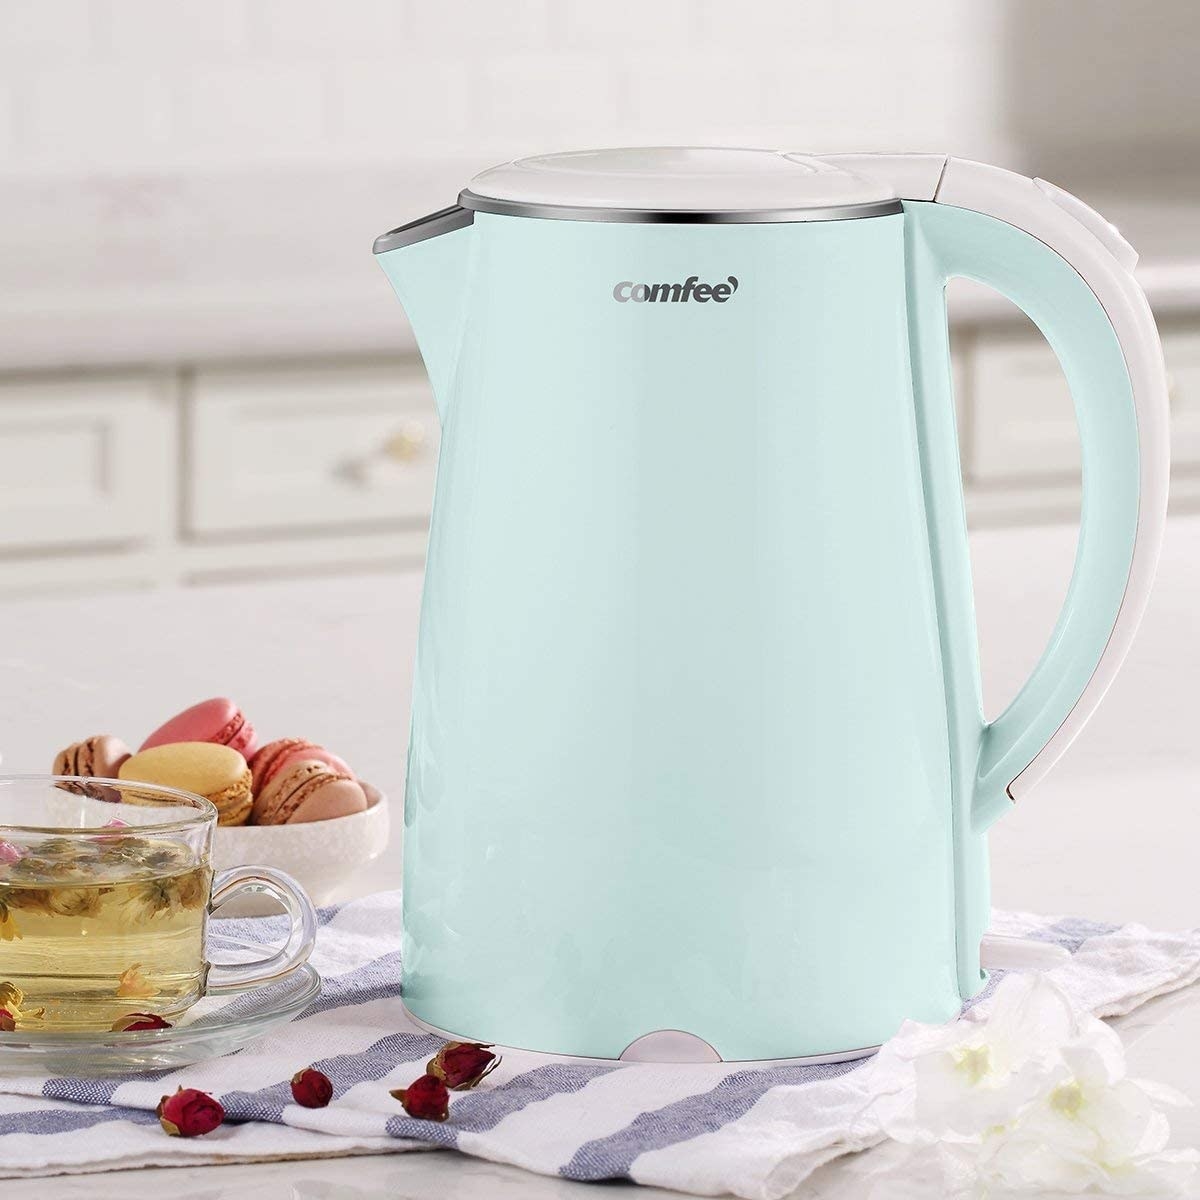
(33, 899)
(192, 889)
(133, 984)
(95, 904)
(75, 902)
(8, 927)
(167, 894)
(12, 1001)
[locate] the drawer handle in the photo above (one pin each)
(407, 443)
(392, 457)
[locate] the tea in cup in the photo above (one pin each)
(106, 887)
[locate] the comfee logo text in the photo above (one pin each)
(674, 293)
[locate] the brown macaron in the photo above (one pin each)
(99, 757)
(307, 791)
(95, 757)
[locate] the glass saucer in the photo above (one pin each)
(213, 1026)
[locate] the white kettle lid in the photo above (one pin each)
(701, 182)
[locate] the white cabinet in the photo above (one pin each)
(309, 449)
(194, 472)
(1021, 441)
(83, 463)
(184, 475)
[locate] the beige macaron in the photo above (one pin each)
(218, 773)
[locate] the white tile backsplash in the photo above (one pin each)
(565, 100)
(151, 31)
(125, 84)
(328, 30)
(92, 116)
(52, 30)
(472, 27)
(619, 24)
(263, 110)
(770, 30)
(179, 84)
(715, 96)
(425, 106)
(8, 120)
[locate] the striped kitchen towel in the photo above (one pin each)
(707, 1129)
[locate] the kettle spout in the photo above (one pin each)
(426, 264)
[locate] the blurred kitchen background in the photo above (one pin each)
(217, 445)
(203, 374)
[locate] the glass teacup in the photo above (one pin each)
(106, 887)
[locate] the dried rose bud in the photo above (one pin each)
(105, 839)
(132, 1022)
(311, 1088)
(461, 1065)
(426, 1098)
(7, 1021)
(189, 1113)
(10, 853)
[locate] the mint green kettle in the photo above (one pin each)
(698, 766)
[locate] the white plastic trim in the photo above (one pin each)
(837, 1056)
(913, 176)
(669, 1046)
(1002, 952)
(1104, 231)
(1051, 216)
(1105, 262)
(680, 178)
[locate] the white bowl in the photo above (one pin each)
(322, 856)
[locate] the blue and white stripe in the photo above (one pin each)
(756, 1132)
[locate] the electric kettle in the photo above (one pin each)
(698, 764)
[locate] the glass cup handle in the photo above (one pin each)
(240, 977)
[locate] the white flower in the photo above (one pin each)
(973, 1074)
(1025, 1094)
(1095, 1129)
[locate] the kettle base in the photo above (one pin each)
(662, 1046)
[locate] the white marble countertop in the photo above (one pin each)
(1111, 834)
(183, 268)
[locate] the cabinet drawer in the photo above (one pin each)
(81, 462)
(1022, 420)
(310, 449)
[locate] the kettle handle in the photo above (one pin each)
(1071, 273)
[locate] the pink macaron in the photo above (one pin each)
(278, 755)
(218, 720)
(307, 790)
